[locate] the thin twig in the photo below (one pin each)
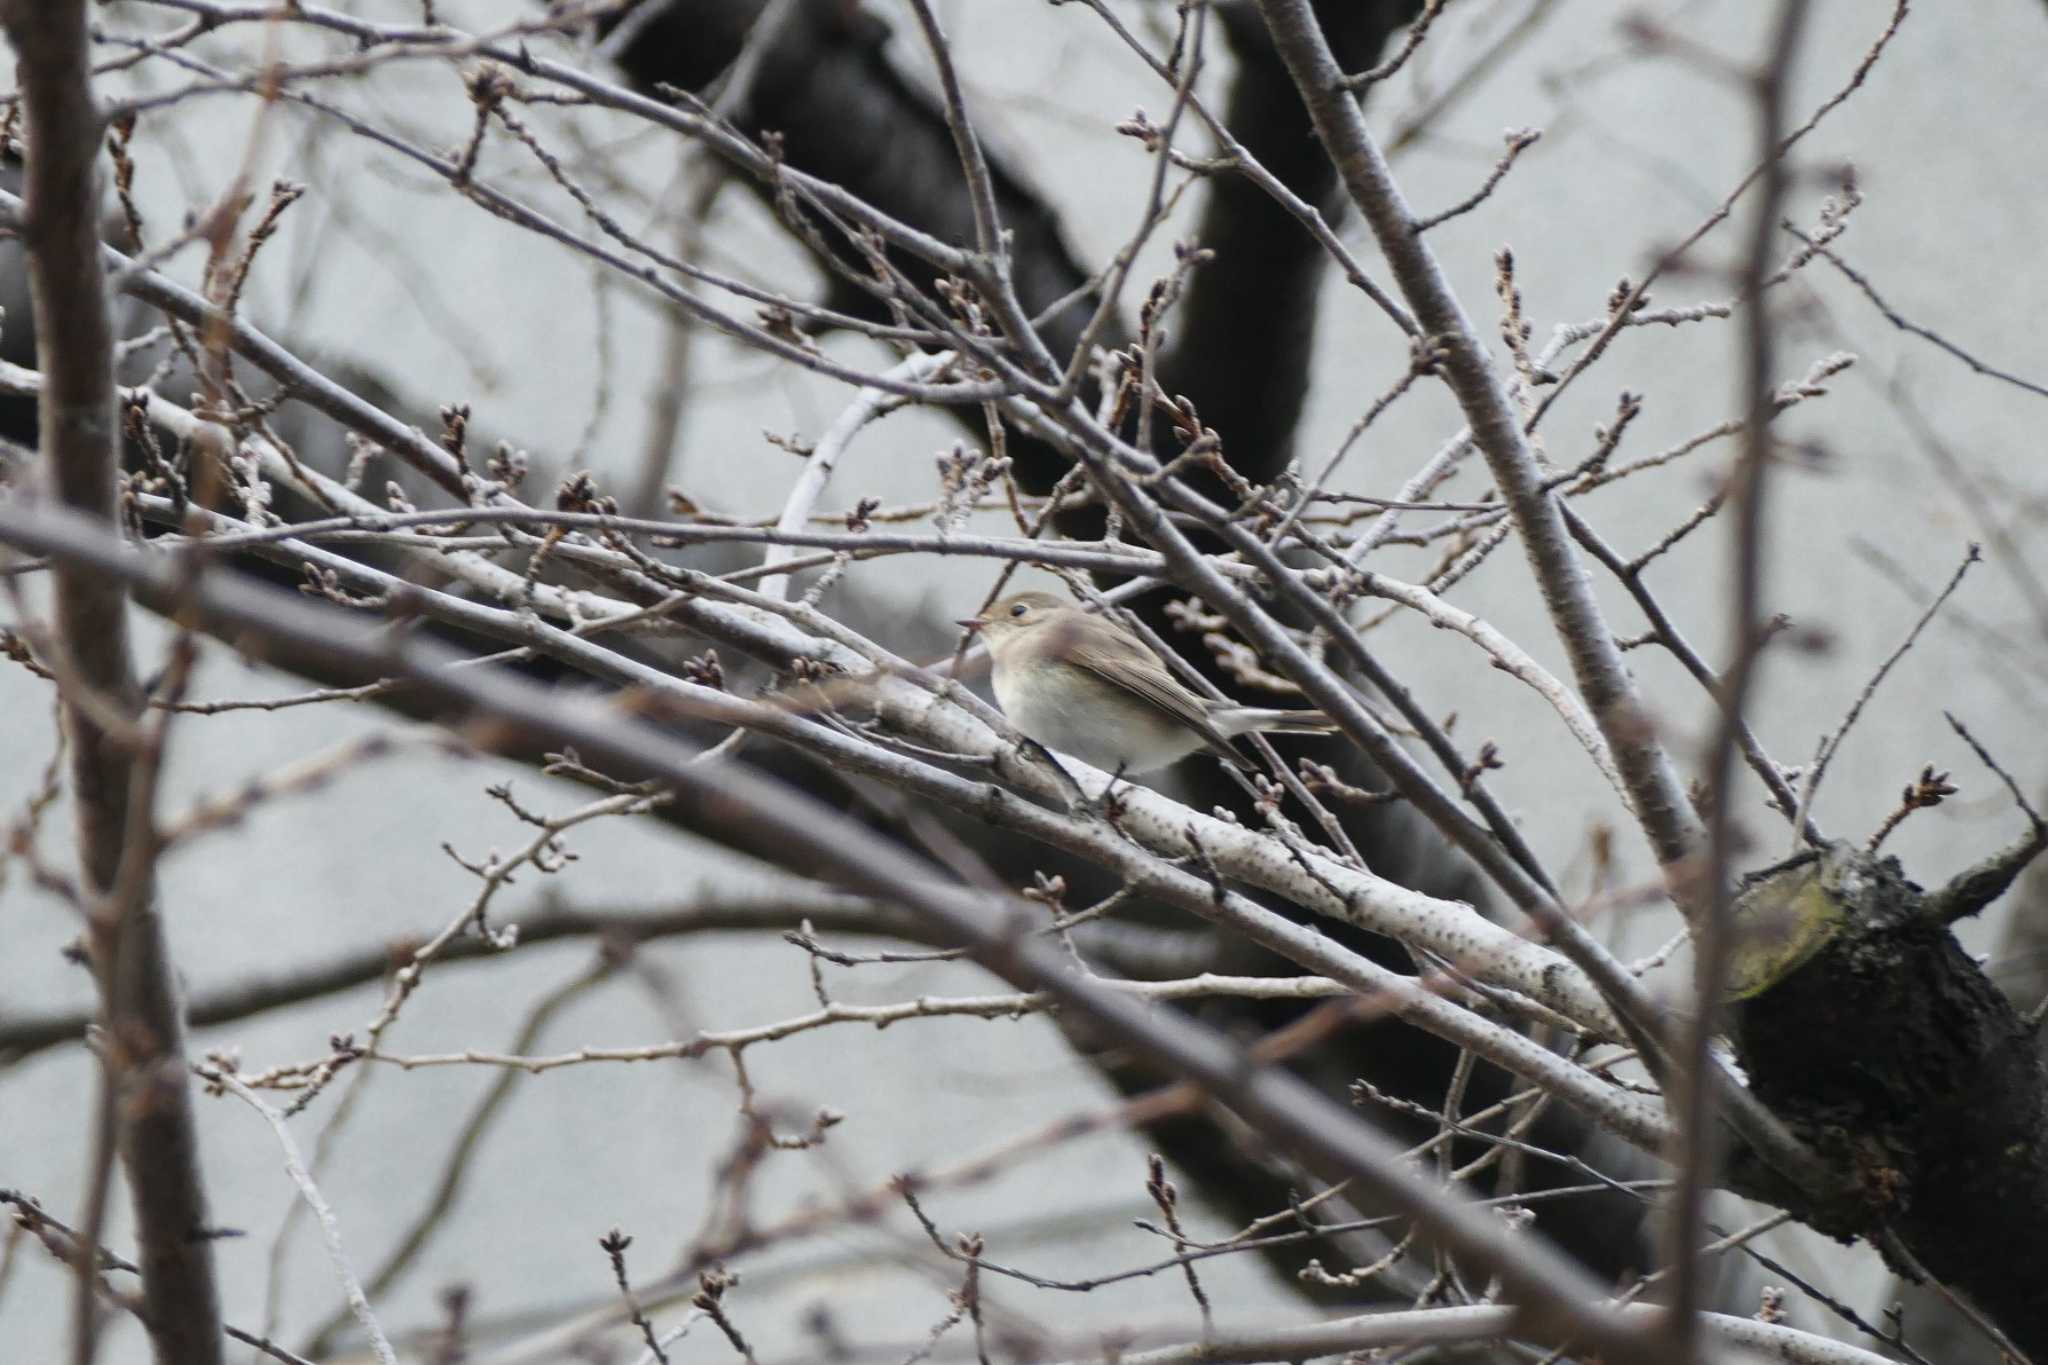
(330, 1228)
(1833, 743)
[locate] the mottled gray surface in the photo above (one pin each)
(1943, 140)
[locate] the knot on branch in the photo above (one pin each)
(1864, 1026)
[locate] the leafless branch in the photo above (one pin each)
(1696, 1151)
(1833, 742)
(145, 1105)
(780, 824)
(330, 1229)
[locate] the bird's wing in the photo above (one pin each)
(1127, 665)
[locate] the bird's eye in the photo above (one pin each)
(1019, 609)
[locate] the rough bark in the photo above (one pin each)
(143, 1051)
(1556, 1300)
(1894, 1055)
(826, 88)
(844, 113)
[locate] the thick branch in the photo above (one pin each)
(1659, 800)
(768, 820)
(144, 1058)
(1892, 1052)
(1215, 843)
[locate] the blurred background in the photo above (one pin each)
(382, 275)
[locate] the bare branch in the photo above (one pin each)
(1518, 141)
(781, 825)
(1603, 678)
(1974, 888)
(1833, 743)
(23, 1035)
(145, 1103)
(1434, 1326)
(868, 404)
(330, 1229)
(1696, 1152)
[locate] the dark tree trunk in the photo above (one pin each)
(1892, 1053)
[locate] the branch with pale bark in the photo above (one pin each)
(960, 271)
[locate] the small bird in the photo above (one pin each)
(1087, 687)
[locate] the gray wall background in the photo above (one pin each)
(1945, 142)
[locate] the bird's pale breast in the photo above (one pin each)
(1074, 711)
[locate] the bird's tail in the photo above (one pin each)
(1243, 720)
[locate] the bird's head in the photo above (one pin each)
(1014, 615)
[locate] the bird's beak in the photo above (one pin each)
(972, 622)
